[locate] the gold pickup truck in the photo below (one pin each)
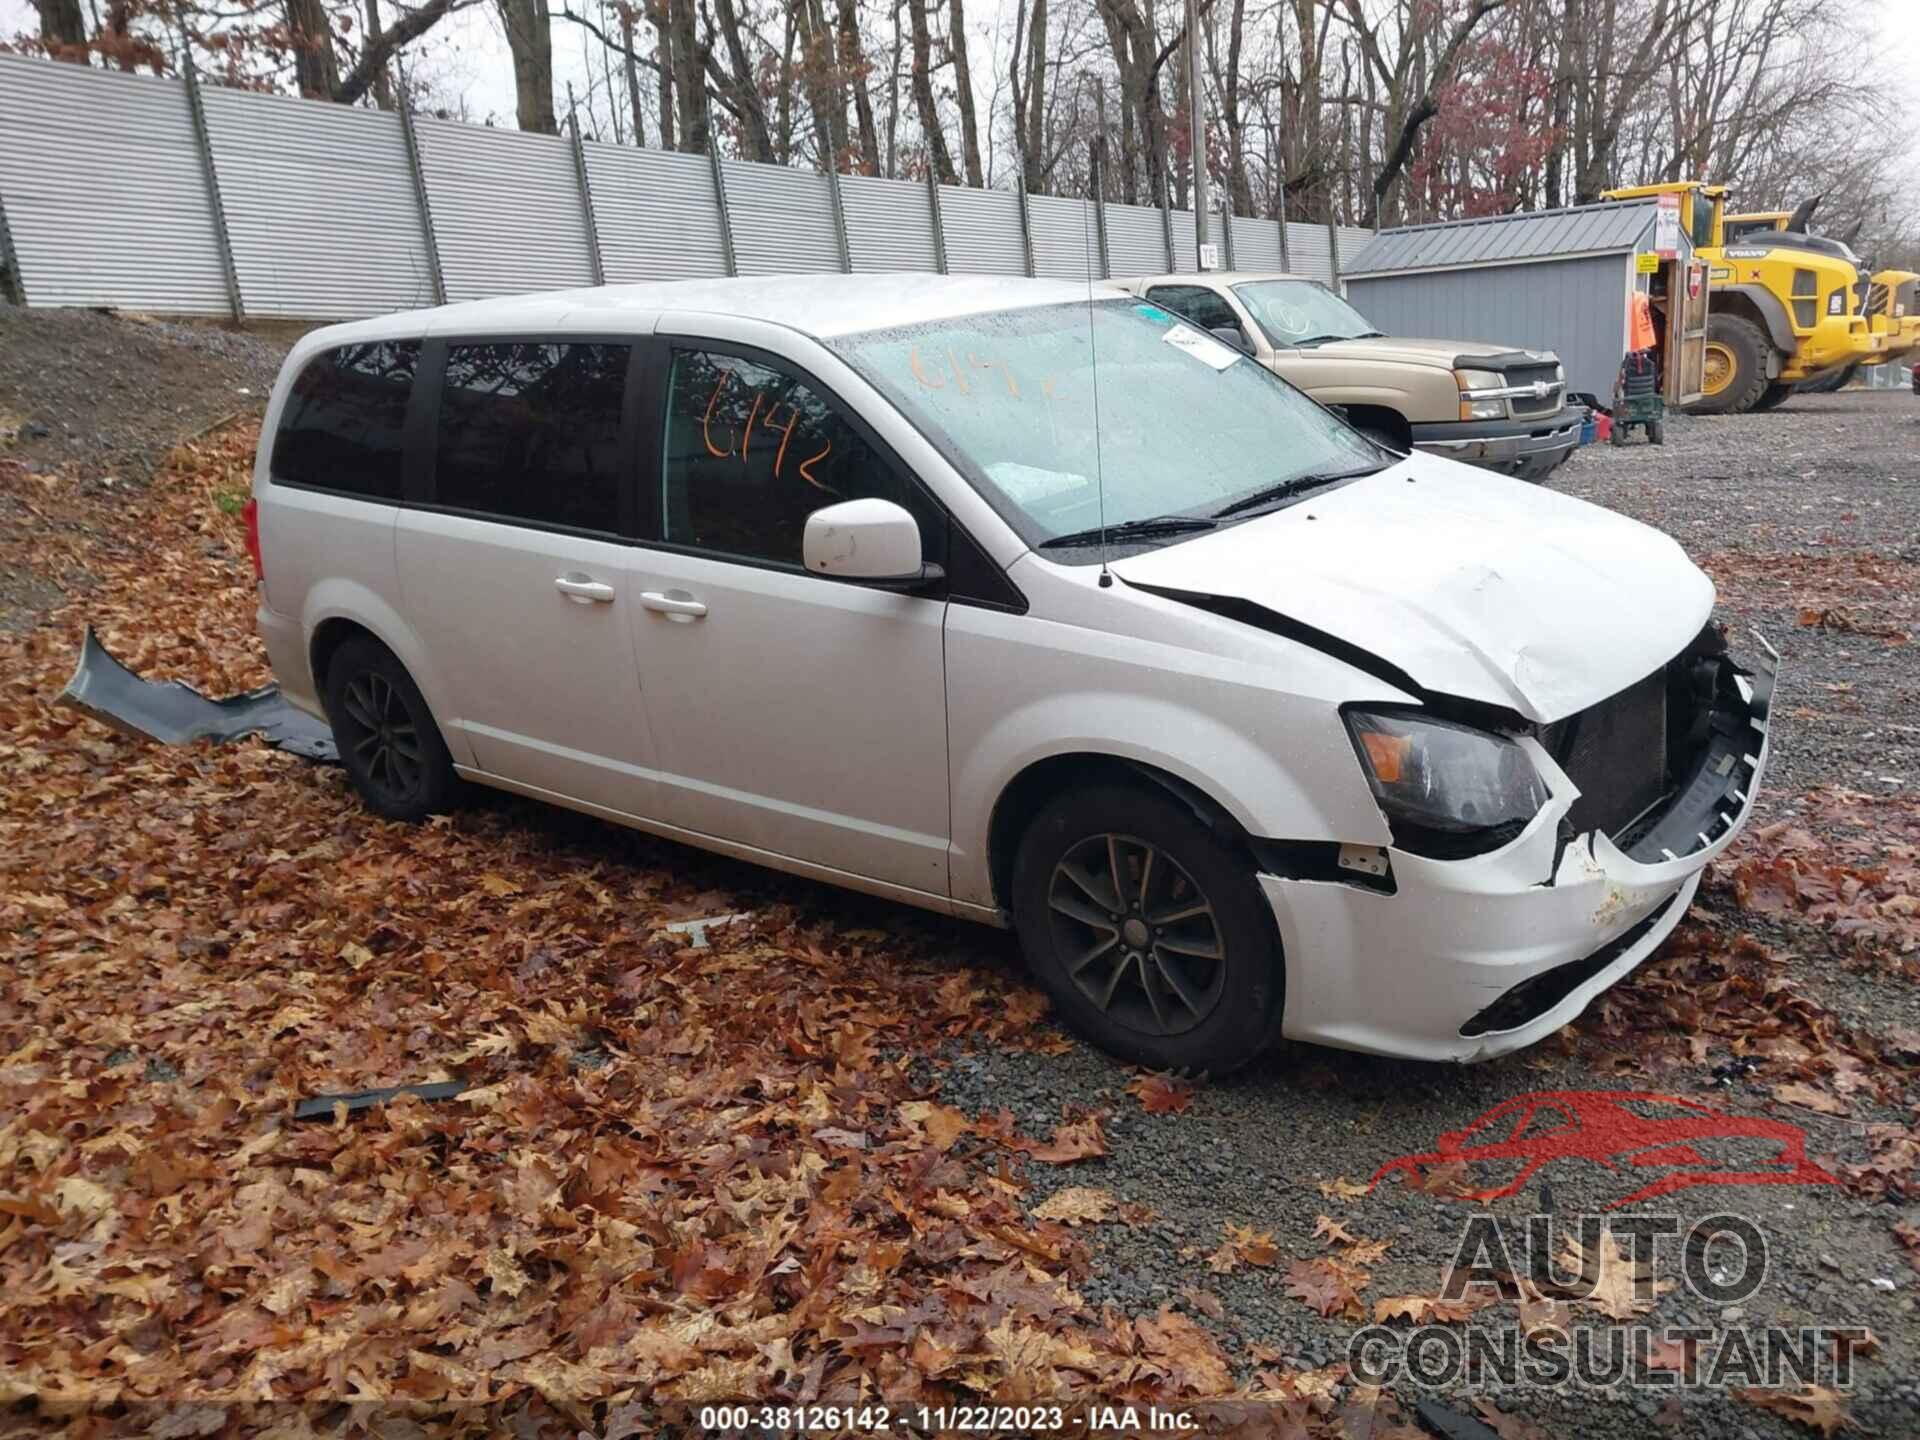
(1489, 405)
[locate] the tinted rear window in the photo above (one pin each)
(343, 423)
(531, 431)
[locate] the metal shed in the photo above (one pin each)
(1545, 279)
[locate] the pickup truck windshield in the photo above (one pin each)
(1185, 425)
(1299, 312)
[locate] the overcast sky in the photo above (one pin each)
(469, 66)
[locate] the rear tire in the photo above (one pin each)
(1833, 380)
(1657, 431)
(1775, 394)
(1737, 352)
(1147, 928)
(386, 735)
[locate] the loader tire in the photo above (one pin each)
(1775, 394)
(1831, 381)
(1736, 369)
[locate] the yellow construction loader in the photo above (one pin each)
(1893, 299)
(1787, 307)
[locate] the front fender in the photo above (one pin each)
(1280, 764)
(1772, 311)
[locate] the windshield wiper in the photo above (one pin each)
(1287, 489)
(1147, 529)
(1313, 340)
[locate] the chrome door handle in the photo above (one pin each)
(582, 591)
(677, 604)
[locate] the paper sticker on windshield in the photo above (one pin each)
(1203, 348)
(1031, 485)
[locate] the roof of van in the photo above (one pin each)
(819, 305)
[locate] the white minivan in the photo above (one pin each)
(1026, 606)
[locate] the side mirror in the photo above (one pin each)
(1233, 335)
(872, 541)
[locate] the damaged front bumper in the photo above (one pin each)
(1469, 959)
(175, 713)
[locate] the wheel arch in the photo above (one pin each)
(328, 637)
(1029, 792)
(1383, 418)
(1761, 306)
(338, 610)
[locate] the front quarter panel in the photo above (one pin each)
(1250, 719)
(1420, 393)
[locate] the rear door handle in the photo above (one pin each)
(582, 590)
(678, 604)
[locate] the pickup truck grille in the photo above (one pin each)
(1527, 375)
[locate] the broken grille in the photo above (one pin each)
(1616, 752)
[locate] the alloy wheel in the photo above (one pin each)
(385, 742)
(1136, 935)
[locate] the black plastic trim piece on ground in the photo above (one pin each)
(320, 1107)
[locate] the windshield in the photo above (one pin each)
(1299, 312)
(1185, 424)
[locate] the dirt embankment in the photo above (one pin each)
(95, 400)
(98, 396)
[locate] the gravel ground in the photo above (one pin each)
(1812, 510)
(1782, 509)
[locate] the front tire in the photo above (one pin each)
(1148, 930)
(1774, 395)
(386, 735)
(1736, 368)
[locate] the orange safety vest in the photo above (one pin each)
(1640, 322)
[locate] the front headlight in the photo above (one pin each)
(1471, 409)
(1445, 789)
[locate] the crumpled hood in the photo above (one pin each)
(1410, 351)
(1475, 585)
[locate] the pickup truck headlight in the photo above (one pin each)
(1447, 790)
(1472, 409)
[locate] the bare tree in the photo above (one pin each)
(316, 69)
(963, 91)
(855, 69)
(530, 42)
(1027, 89)
(939, 158)
(631, 62)
(63, 29)
(689, 63)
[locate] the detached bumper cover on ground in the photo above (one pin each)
(1484, 956)
(175, 713)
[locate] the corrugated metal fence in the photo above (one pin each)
(174, 197)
